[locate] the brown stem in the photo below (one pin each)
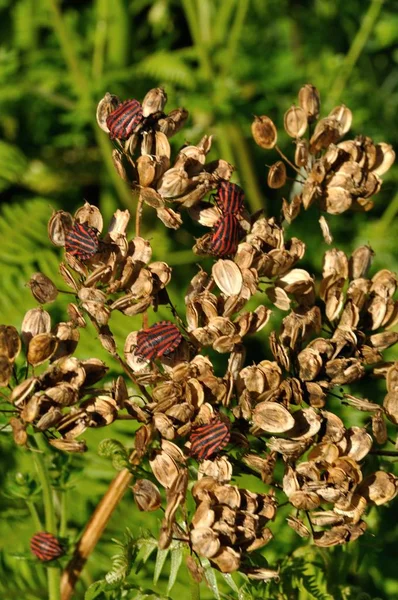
(93, 532)
(138, 215)
(384, 452)
(285, 158)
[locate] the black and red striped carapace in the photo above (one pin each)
(158, 340)
(82, 241)
(46, 546)
(225, 237)
(209, 439)
(124, 120)
(230, 198)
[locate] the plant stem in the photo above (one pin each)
(93, 532)
(193, 20)
(387, 217)
(53, 573)
(362, 36)
(35, 515)
(384, 452)
(195, 590)
(63, 521)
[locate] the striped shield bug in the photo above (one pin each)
(82, 241)
(124, 120)
(225, 237)
(230, 198)
(46, 546)
(158, 340)
(207, 440)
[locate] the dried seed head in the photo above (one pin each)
(41, 348)
(343, 115)
(309, 100)
(146, 495)
(42, 288)
(36, 321)
(264, 132)
(272, 417)
(105, 106)
(295, 121)
(277, 175)
(301, 153)
(154, 102)
(10, 343)
(59, 225)
(90, 215)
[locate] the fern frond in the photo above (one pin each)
(122, 562)
(168, 67)
(113, 449)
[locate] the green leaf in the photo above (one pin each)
(160, 560)
(96, 590)
(176, 560)
(211, 578)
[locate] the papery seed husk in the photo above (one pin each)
(264, 132)
(19, 431)
(295, 121)
(146, 495)
(228, 277)
(272, 417)
(304, 500)
(277, 175)
(154, 101)
(333, 537)
(63, 394)
(58, 226)
(390, 404)
(68, 445)
(105, 106)
(298, 527)
(360, 443)
(205, 541)
(343, 116)
(90, 214)
(309, 100)
(385, 157)
(379, 488)
(261, 573)
(41, 348)
(165, 469)
(42, 288)
(50, 419)
(36, 321)
(23, 390)
(227, 559)
(10, 342)
(301, 153)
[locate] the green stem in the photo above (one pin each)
(234, 35)
(53, 573)
(195, 590)
(83, 92)
(63, 521)
(193, 21)
(362, 36)
(35, 515)
(387, 217)
(254, 196)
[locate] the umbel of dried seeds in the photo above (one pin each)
(199, 429)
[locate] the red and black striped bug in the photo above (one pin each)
(158, 340)
(230, 198)
(46, 546)
(207, 440)
(82, 241)
(225, 238)
(124, 120)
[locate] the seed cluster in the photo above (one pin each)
(275, 417)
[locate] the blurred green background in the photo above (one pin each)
(223, 60)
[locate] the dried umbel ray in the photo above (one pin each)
(270, 416)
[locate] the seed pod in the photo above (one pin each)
(301, 153)
(82, 241)
(230, 198)
(58, 226)
(295, 121)
(124, 120)
(105, 107)
(35, 321)
(174, 121)
(344, 117)
(277, 175)
(228, 277)
(225, 237)
(42, 288)
(146, 495)
(207, 440)
(10, 342)
(154, 102)
(158, 340)
(46, 546)
(264, 132)
(309, 100)
(41, 347)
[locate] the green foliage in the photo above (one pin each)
(115, 450)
